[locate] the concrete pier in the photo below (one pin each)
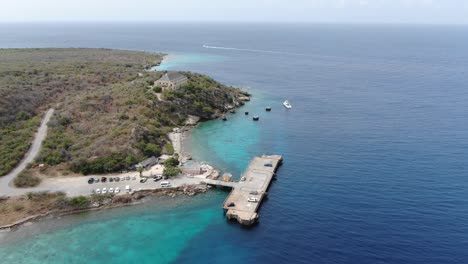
(247, 194)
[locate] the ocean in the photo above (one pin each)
(375, 148)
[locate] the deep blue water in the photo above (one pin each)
(375, 148)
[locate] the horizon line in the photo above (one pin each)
(231, 22)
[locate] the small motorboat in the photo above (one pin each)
(246, 113)
(232, 111)
(268, 109)
(252, 200)
(224, 118)
(287, 104)
(256, 118)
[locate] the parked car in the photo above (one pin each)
(104, 190)
(165, 184)
(90, 180)
(111, 190)
(98, 191)
(133, 178)
(122, 178)
(243, 179)
(103, 179)
(127, 178)
(117, 190)
(143, 180)
(254, 192)
(268, 165)
(111, 179)
(96, 180)
(117, 179)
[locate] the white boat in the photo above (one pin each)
(287, 104)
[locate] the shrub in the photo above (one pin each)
(18, 207)
(37, 196)
(25, 180)
(171, 171)
(171, 162)
(169, 149)
(157, 89)
(79, 202)
(152, 150)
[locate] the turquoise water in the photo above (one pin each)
(178, 60)
(155, 232)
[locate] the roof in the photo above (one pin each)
(171, 76)
(149, 161)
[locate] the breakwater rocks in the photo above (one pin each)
(189, 190)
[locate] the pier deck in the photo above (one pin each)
(257, 180)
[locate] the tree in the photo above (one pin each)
(171, 171)
(171, 162)
(140, 169)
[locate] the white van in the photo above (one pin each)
(165, 184)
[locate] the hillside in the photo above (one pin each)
(107, 113)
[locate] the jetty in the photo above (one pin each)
(247, 194)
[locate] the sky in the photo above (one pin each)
(308, 11)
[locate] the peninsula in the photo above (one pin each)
(108, 116)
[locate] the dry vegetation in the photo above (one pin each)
(107, 115)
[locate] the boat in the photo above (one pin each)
(246, 113)
(255, 118)
(224, 118)
(232, 111)
(268, 109)
(287, 104)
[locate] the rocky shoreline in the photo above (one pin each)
(136, 197)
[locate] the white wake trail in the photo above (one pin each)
(249, 50)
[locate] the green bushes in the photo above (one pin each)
(152, 150)
(55, 147)
(170, 167)
(79, 202)
(15, 141)
(157, 89)
(171, 171)
(171, 162)
(25, 180)
(169, 149)
(112, 163)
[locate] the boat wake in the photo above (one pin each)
(249, 50)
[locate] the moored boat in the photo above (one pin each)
(256, 118)
(246, 113)
(268, 109)
(287, 104)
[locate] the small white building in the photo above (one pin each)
(171, 80)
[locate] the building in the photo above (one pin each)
(148, 163)
(171, 80)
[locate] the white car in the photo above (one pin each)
(104, 190)
(117, 190)
(111, 190)
(252, 200)
(98, 191)
(133, 178)
(122, 178)
(165, 184)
